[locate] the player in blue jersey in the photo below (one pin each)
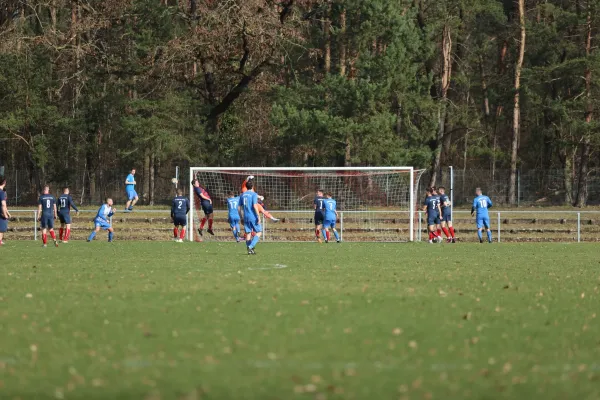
(4, 214)
(331, 216)
(431, 205)
(481, 204)
(65, 202)
(233, 215)
(102, 221)
(132, 196)
(46, 215)
(179, 210)
(249, 202)
(446, 215)
(319, 214)
(206, 203)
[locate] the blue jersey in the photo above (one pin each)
(47, 202)
(130, 186)
(248, 200)
(330, 207)
(65, 202)
(481, 205)
(432, 203)
(318, 202)
(2, 198)
(104, 213)
(443, 199)
(180, 206)
(232, 207)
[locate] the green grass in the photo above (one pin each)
(190, 321)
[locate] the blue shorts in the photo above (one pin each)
(250, 226)
(47, 222)
(65, 218)
(180, 220)
(3, 225)
(483, 222)
(433, 219)
(446, 216)
(101, 224)
(319, 218)
(131, 194)
(233, 222)
(329, 223)
(207, 207)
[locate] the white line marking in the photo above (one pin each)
(272, 266)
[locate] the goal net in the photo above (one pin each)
(374, 204)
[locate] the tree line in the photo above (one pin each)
(88, 87)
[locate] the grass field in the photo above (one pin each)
(134, 320)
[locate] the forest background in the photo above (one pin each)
(505, 91)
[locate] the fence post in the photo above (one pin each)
(35, 225)
(419, 214)
(341, 226)
(578, 227)
(498, 227)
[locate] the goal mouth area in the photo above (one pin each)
(362, 190)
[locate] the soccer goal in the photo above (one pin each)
(375, 204)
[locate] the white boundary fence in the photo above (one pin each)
(568, 218)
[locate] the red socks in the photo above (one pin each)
(182, 234)
(202, 223)
(53, 235)
(44, 238)
(68, 235)
(60, 233)
(317, 233)
(175, 232)
(210, 222)
(439, 232)
(452, 231)
(328, 235)
(446, 232)
(431, 235)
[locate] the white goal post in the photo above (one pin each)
(374, 204)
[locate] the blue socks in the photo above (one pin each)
(254, 241)
(92, 236)
(110, 236)
(489, 234)
(479, 234)
(336, 234)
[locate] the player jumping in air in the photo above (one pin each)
(331, 216)
(249, 202)
(446, 215)
(132, 196)
(65, 202)
(179, 210)
(319, 214)
(248, 179)
(431, 205)
(4, 214)
(47, 214)
(207, 207)
(481, 204)
(233, 215)
(102, 221)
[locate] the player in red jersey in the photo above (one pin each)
(207, 207)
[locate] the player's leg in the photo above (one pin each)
(486, 222)
(129, 200)
(94, 232)
(445, 229)
(210, 221)
(234, 226)
(3, 229)
(111, 234)
(61, 230)
(451, 228)
(258, 229)
(270, 216)
(175, 231)
(134, 201)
